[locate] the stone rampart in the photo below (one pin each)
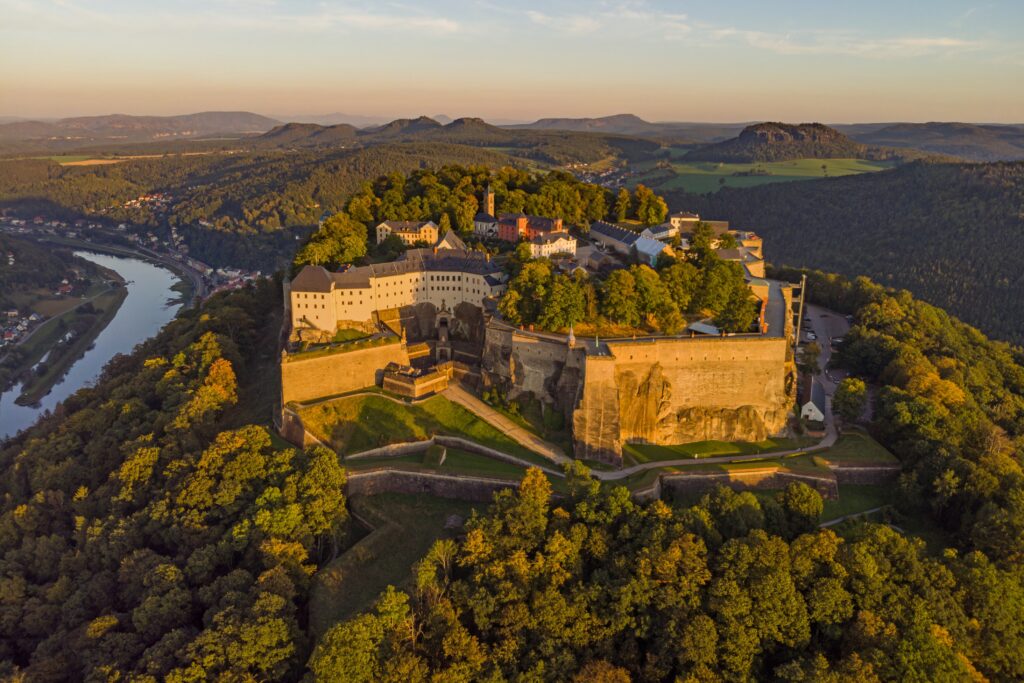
(318, 376)
(372, 482)
(762, 478)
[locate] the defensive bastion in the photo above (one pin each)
(652, 390)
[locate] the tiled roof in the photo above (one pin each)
(407, 226)
(549, 237)
(619, 234)
(318, 279)
(312, 279)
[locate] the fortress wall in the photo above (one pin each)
(767, 478)
(372, 482)
(671, 391)
(337, 373)
(595, 422)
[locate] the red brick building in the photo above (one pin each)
(513, 227)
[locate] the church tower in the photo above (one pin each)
(488, 207)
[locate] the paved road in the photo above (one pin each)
(473, 404)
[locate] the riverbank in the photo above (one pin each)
(148, 302)
(59, 356)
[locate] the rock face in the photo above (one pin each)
(666, 391)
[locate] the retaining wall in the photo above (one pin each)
(305, 379)
(372, 482)
(770, 478)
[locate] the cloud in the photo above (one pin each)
(222, 15)
(845, 43)
(627, 19)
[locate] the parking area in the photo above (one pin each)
(824, 327)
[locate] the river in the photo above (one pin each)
(150, 304)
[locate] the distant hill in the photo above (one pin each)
(549, 146)
(309, 135)
(970, 141)
(123, 128)
(781, 142)
(630, 124)
(946, 232)
(404, 127)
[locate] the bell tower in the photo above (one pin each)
(488, 207)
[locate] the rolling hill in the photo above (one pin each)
(630, 124)
(974, 142)
(946, 232)
(126, 128)
(546, 146)
(782, 142)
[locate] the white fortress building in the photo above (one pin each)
(321, 299)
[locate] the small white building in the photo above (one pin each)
(648, 250)
(552, 243)
(813, 407)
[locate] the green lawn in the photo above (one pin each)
(857, 447)
(359, 423)
(635, 453)
(403, 529)
(857, 498)
(348, 334)
(705, 176)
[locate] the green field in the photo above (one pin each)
(455, 462)
(403, 527)
(701, 177)
(635, 453)
(857, 498)
(359, 423)
(857, 447)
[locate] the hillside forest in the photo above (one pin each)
(946, 232)
(154, 529)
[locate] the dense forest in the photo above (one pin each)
(946, 232)
(697, 284)
(245, 210)
(149, 531)
(451, 197)
(26, 266)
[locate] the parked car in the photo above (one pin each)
(811, 336)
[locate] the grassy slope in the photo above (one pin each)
(857, 447)
(640, 453)
(403, 529)
(701, 177)
(359, 423)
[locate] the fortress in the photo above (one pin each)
(430, 319)
(414, 325)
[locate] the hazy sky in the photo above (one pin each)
(729, 60)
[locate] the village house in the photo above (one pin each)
(513, 227)
(552, 243)
(628, 243)
(410, 232)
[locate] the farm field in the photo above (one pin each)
(702, 177)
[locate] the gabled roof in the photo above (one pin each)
(451, 241)
(484, 217)
(407, 226)
(548, 237)
(312, 279)
(651, 247)
(615, 232)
